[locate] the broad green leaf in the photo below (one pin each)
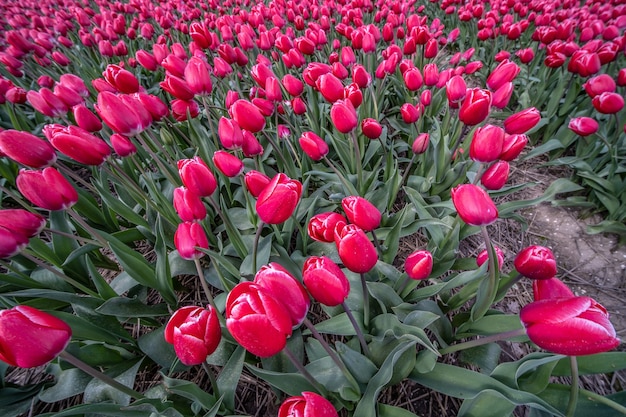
(359, 365)
(154, 345)
(69, 382)
(491, 324)
(228, 378)
(558, 395)
(162, 268)
(600, 363)
(486, 357)
(190, 391)
(386, 410)
(131, 307)
(488, 403)
(16, 401)
(289, 383)
(98, 391)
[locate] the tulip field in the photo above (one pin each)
(293, 208)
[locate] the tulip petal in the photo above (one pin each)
(189, 349)
(554, 310)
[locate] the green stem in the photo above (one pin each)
(255, 247)
(303, 371)
(205, 286)
(357, 329)
(573, 396)
(102, 241)
(212, 380)
(357, 154)
(378, 247)
(405, 175)
(366, 304)
(482, 341)
(604, 401)
(99, 375)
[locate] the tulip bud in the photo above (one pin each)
(256, 320)
(281, 285)
(544, 289)
(536, 262)
(420, 144)
(123, 146)
(413, 79)
(330, 86)
(195, 333)
(11, 243)
(361, 212)
(256, 182)
(197, 176)
(314, 146)
(495, 176)
(475, 107)
(247, 115)
(487, 142)
(250, 146)
(27, 149)
(309, 404)
(78, 144)
(522, 122)
(569, 326)
(474, 205)
(47, 189)
(197, 77)
(608, 103)
(356, 251)
(419, 265)
(322, 226)
(325, 281)
(409, 113)
(599, 84)
(505, 72)
(188, 205)
(118, 115)
(22, 222)
(123, 80)
(343, 115)
(513, 145)
(30, 337)
(371, 128)
(456, 90)
(187, 237)
(279, 199)
(502, 96)
(182, 109)
(86, 119)
(354, 94)
(484, 257)
(228, 164)
(583, 126)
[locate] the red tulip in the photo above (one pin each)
(426, 97)
(30, 337)
(177, 87)
(569, 326)
(502, 96)
(621, 77)
(27, 149)
(325, 281)
(146, 60)
(583, 126)
(599, 84)
(197, 176)
(410, 113)
(197, 77)
(419, 265)
(361, 212)
(353, 93)
(550, 288)
(250, 146)
(281, 285)
(505, 72)
(495, 176)
(522, 122)
(371, 128)
(256, 320)
(123, 80)
(154, 105)
(195, 333)
(228, 164)
(484, 257)
(431, 74)
(182, 109)
(513, 145)
(475, 107)
(474, 205)
(247, 115)
(330, 86)
(22, 222)
(122, 145)
(298, 105)
(456, 89)
(78, 144)
(314, 146)
(174, 65)
(11, 243)
(118, 115)
(487, 142)
(420, 144)
(525, 55)
(272, 90)
(309, 404)
(293, 85)
(256, 182)
(608, 103)
(188, 205)
(361, 76)
(86, 119)
(187, 237)
(322, 226)
(47, 189)
(536, 262)
(45, 102)
(343, 115)
(279, 199)
(356, 251)
(413, 79)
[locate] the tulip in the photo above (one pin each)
(47, 189)
(325, 281)
(251, 146)
(356, 251)
(505, 72)
(309, 404)
(314, 146)
(608, 103)
(569, 326)
(536, 262)
(256, 182)
(525, 55)
(122, 145)
(419, 264)
(330, 86)
(413, 79)
(361, 76)
(293, 85)
(22, 222)
(197, 77)
(146, 60)
(118, 115)
(123, 80)
(154, 105)
(272, 90)
(279, 199)
(487, 142)
(621, 77)
(78, 144)
(27, 149)
(410, 113)
(86, 119)
(11, 243)
(281, 285)
(195, 333)
(177, 87)
(371, 128)
(298, 105)
(431, 74)
(426, 97)
(495, 176)
(475, 107)
(361, 212)
(474, 205)
(502, 96)
(322, 227)
(66, 94)
(522, 122)
(484, 257)
(353, 93)
(187, 237)
(182, 109)
(544, 289)
(456, 89)
(188, 205)
(247, 115)
(513, 146)
(256, 320)
(228, 164)
(599, 84)
(197, 176)
(45, 102)
(344, 116)
(583, 126)
(174, 65)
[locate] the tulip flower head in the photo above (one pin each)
(30, 337)
(47, 189)
(361, 212)
(325, 281)
(27, 149)
(536, 262)
(356, 251)
(419, 264)
(583, 126)
(309, 404)
(279, 199)
(195, 333)
(280, 284)
(474, 205)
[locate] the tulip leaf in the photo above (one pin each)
(69, 382)
(119, 207)
(98, 391)
(557, 395)
(131, 307)
(16, 401)
(491, 324)
(386, 410)
(485, 357)
(162, 268)
(191, 391)
(600, 363)
(385, 295)
(83, 329)
(339, 325)
(229, 377)
(154, 345)
(289, 383)
(143, 408)
(488, 403)
(359, 365)
(558, 186)
(464, 383)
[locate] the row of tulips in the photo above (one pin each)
(280, 152)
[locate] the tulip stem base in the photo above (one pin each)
(205, 286)
(483, 341)
(573, 396)
(357, 329)
(99, 375)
